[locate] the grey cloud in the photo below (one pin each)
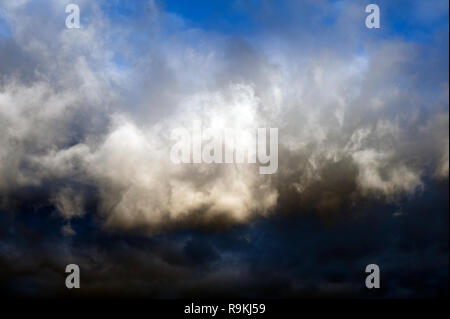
(351, 125)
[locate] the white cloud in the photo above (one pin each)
(79, 116)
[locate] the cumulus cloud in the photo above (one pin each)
(95, 107)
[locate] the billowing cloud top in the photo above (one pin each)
(86, 114)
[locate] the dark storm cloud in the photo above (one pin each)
(278, 257)
(85, 173)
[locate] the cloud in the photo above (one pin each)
(86, 176)
(94, 109)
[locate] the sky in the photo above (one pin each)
(86, 117)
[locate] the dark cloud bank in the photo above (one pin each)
(294, 255)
